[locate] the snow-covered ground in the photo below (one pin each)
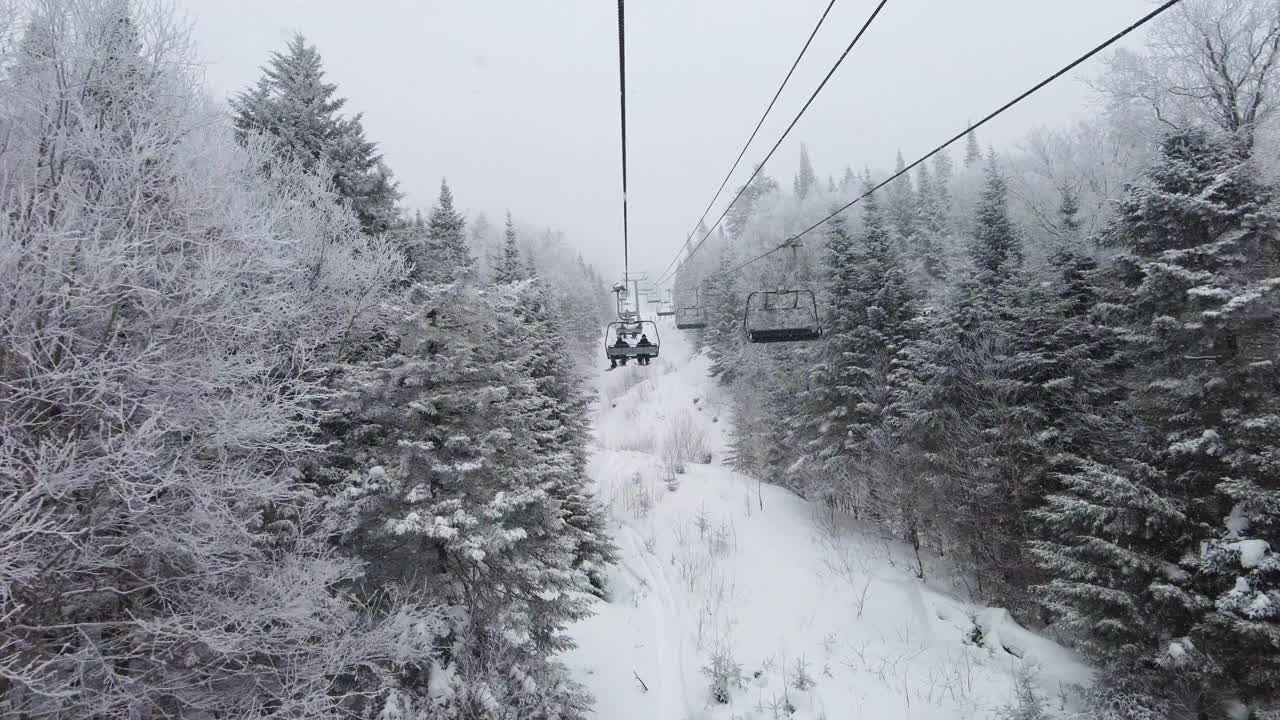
(823, 620)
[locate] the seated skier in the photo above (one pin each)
(644, 343)
(620, 343)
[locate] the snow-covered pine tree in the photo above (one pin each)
(508, 268)
(777, 377)
(806, 179)
(724, 306)
(943, 175)
(900, 204)
(1069, 216)
(293, 102)
(989, 403)
(585, 307)
(564, 430)
(447, 256)
(972, 150)
(927, 388)
(1161, 556)
(870, 304)
(848, 181)
(410, 236)
(929, 225)
(452, 471)
(996, 249)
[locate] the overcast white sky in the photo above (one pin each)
(516, 101)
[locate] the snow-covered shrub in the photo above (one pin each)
(724, 674)
(801, 679)
(1027, 705)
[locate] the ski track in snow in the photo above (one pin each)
(670, 689)
(723, 561)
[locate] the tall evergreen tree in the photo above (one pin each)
(849, 180)
(508, 268)
(871, 305)
(293, 102)
(459, 474)
(1069, 215)
(929, 225)
(995, 245)
(943, 173)
(901, 203)
(972, 151)
(723, 304)
(564, 430)
(447, 257)
(806, 180)
(1162, 550)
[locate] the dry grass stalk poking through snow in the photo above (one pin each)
(640, 442)
(685, 443)
(638, 497)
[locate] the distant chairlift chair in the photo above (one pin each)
(782, 316)
(690, 318)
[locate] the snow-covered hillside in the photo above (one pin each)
(733, 588)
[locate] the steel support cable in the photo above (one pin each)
(1066, 69)
(879, 6)
(754, 131)
(622, 93)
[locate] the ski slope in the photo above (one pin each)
(826, 620)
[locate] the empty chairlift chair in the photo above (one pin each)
(690, 318)
(782, 316)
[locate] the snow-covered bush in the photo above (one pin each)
(1027, 705)
(724, 674)
(801, 679)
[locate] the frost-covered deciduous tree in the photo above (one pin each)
(168, 311)
(1214, 62)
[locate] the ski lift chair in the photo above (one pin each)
(690, 318)
(781, 316)
(627, 330)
